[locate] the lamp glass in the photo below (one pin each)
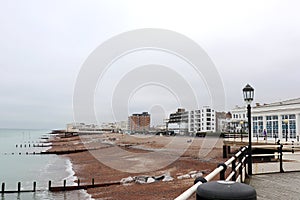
(248, 93)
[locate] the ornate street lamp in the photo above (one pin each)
(286, 122)
(248, 93)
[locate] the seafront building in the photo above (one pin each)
(202, 120)
(178, 121)
(193, 122)
(139, 122)
(82, 128)
(275, 120)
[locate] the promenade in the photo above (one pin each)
(277, 186)
(266, 179)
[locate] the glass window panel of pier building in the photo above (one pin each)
(272, 126)
(291, 126)
(258, 126)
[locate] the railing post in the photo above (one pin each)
(280, 158)
(201, 179)
(228, 150)
(222, 173)
(233, 170)
(224, 151)
(241, 166)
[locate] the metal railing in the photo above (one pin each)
(279, 155)
(237, 163)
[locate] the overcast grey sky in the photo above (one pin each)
(43, 45)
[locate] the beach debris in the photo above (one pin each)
(167, 177)
(145, 179)
(141, 179)
(196, 175)
(191, 174)
(185, 176)
(129, 179)
(158, 178)
(150, 180)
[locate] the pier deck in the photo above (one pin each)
(277, 186)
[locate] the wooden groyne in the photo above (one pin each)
(33, 145)
(65, 151)
(18, 189)
(64, 187)
(79, 187)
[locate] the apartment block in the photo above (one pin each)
(139, 122)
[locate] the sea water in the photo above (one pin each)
(19, 164)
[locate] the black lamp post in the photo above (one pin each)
(248, 93)
(286, 121)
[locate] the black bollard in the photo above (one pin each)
(78, 182)
(93, 181)
(34, 186)
(225, 190)
(19, 186)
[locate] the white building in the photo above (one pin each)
(81, 128)
(202, 120)
(271, 119)
(194, 121)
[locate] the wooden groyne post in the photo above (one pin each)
(2, 188)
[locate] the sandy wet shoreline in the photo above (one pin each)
(86, 166)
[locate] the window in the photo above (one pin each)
(258, 126)
(208, 110)
(272, 126)
(292, 116)
(290, 128)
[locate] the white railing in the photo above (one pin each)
(239, 168)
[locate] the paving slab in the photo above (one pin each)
(277, 186)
